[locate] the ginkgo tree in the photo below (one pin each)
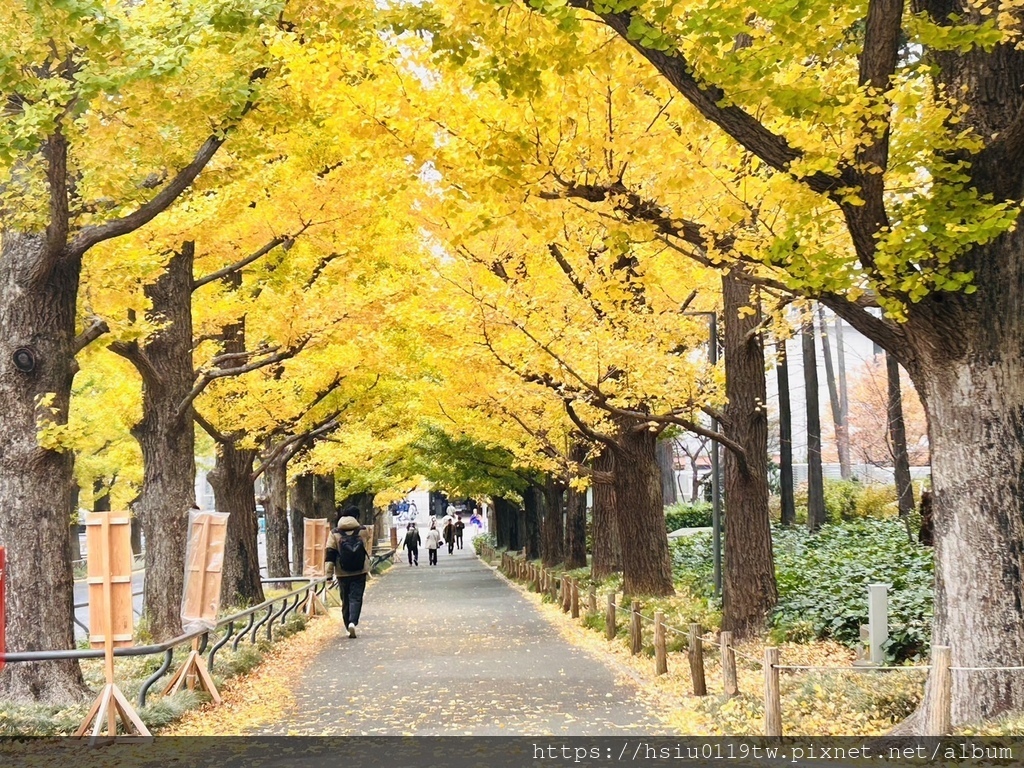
(96, 143)
(896, 133)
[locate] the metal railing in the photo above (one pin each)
(253, 626)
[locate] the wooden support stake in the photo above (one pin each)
(660, 652)
(574, 599)
(729, 683)
(609, 617)
(635, 637)
(700, 686)
(193, 671)
(314, 606)
(566, 594)
(772, 695)
(937, 713)
(592, 599)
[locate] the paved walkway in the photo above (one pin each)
(453, 649)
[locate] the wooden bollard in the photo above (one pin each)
(592, 599)
(660, 652)
(940, 689)
(574, 599)
(609, 617)
(729, 684)
(700, 687)
(772, 696)
(566, 594)
(635, 637)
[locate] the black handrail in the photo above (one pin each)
(167, 647)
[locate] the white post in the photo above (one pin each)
(878, 620)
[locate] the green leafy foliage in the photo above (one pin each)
(695, 514)
(823, 578)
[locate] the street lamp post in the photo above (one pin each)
(716, 483)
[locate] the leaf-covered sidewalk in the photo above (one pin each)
(451, 649)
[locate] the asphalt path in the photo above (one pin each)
(455, 650)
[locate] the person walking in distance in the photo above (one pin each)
(449, 536)
(348, 563)
(433, 542)
(412, 544)
(459, 528)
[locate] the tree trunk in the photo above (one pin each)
(576, 517)
(788, 516)
(667, 464)
(231, 479)
(507, 524)
(73, 539)
(607, 554)
(898, 438)
(323, 498)
(815, 483)
(35, 482)
(276, 511)
(164, 361)
(749, 590)
(533, 504)
(302, 506)
(552, 550)
(646, 565)
(838, 419)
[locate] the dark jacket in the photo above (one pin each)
(412, 539)
(347, 526)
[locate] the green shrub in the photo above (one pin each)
(841, 499)
(877, 501)
(483, 538)
(687, 515)
(823, 578)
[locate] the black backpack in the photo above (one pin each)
(351, 552)
(412, 538)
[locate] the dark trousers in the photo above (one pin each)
(433, 556)
(451, 545)
(458, 539)
(352, 597)
(414, 555)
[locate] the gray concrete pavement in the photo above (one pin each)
(452, 650)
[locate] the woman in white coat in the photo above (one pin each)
(433, 541)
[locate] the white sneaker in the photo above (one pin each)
(351, 630)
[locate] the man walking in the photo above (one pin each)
(348, 563)
(459, 528)
(412, 544)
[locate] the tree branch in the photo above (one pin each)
(55, 152)
(97, 327)
(242, 263)
(590, 434)
(91, 235)
(208, 376)
(133, 352)
(713, 103)
(211, 430)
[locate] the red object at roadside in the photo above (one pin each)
(3, 617)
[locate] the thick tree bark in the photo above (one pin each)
(838, 418)
(167, 440)
(533, 507)
(788, 515)
(646, 565)
(276, 511)
(898, 438)
(507, 524)
(607, 554)
(302, 506)
(35, 482)
(552, 550)
(576, 517)
(815, 483)
(749, 590)
(323, 498)
(667, 464)
(232, 483)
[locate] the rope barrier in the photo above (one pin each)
(987, 669)
(817, 668)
